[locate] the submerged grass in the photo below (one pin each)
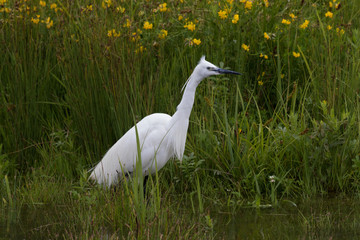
(75, 75)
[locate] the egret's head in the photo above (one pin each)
(206, 69)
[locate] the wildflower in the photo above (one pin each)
(330, 4)
(163, 34)
(272, 178)
(127, 24)
(113, 33)
(195, 41)
(245, 47)
(49, 23)
(53, 6)
(292, 16)
(235, 19)
(305, 24)
(286, 22)
(89, 8)
(162, 7)
(266, 2)
(35, 20)
(135, 36)
(106, 3)
(120, 9)
(324, 102)
(180, 17)
(140, 49)
(329, 27)
(295, 54)
(342, 31)
(239, 131)
(260, 83)
(329, 14)
(223, 14)
(42, 3)
(266, 36)
(190, 26)
(263, 56)
(248, 5)
(148, 25)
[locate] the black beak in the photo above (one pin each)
(224, 71)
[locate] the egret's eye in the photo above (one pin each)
(210, 68)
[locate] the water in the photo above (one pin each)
(320, 218)
(330, 218)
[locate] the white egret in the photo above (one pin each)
(161, 136)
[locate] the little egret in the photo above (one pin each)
(161, 136)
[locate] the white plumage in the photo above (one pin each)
(161, 136)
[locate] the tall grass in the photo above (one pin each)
(70, 89)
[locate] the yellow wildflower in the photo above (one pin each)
(195, 41)
(89, 8)
(180, 17)
(245, 47)
(295, 54)
(305, 24)
(329, 14)
(223, 14)
(292, 16)
(127, 24)
(248, 5)
(162, 7)
(260, 83)
(148, 25)
(190, 26)
(329, 27)
(53, 6)
(286, 22)
(266, 36)
(120, 9)
(235, 19)
(330, 4)
(163, 34)
(140, 49)
(113, 33)
(35, 20)
(266, 2)
(49, 23)
(342, 31)
(42, 3)
(266, 56)
(135, 37)
(106, 3)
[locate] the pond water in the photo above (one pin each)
(330, 218)
(320, 218)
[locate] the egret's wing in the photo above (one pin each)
(121, 157)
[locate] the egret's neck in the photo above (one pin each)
(188, 98)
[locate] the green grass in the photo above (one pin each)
(69, 91)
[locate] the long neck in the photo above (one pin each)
(180, 120)
(186, 104)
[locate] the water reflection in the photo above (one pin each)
(330, 218)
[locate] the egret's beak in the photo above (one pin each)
(224, 71)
